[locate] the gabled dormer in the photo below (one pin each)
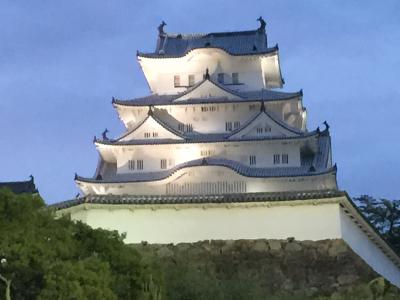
(151, 128)
(208, 89)
(265, 125)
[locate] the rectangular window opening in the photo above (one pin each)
(252, 159)
(177, 81)
(277, 159)
(235, 78)
(191, 80)
(139, 164)
(163, 163)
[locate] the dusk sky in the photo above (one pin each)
(61, 62)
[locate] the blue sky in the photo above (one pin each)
(62, 61)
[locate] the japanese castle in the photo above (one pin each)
(219, 151)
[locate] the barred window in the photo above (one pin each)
(131, 164)
(259, 130)
(236, 125)
(277, 159)
(228, 126)
(147, 134)
(189, 127)
(285, 159)
(163, 164)
(139, 164)
(155, 134)
(252, 159)
(181, 127)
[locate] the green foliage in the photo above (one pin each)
(384, 215)
(49, 258)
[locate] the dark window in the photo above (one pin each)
(147, 134)
(236, 125)
(277, 159)
(285, 159)
(228, 126)
(131, 164)
(189, 127)
(252, 160)
(163, 164)
(139, 164)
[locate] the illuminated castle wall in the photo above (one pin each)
(214, 124)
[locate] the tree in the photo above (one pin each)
(48, 258)
(384, 214)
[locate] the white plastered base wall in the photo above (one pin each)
(314, 220)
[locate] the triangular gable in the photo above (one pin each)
(264, 125)
(208, 89)
(150, 128)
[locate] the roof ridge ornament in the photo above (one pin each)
(207, 75)
(262, 24)
(262, 108)
(161, 31)
(326, 125)
(104, 135)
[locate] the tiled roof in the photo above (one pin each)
(202, 138)
(234, 43)
(245, 96)
(20, 187)
(182, 199)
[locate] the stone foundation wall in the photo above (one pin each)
(256, 269)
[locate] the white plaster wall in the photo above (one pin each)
(160, 72)
(181, 153)
(210, 175)
(290, 111)
(367, 250)
(168, 225)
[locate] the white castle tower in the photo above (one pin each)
(217, 152)
(213, 125)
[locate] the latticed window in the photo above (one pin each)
(163, 164)
(177, 81)
(191, 80)
(139, 164)
(236, 125)
(131, 164)
(252, 160)
(235, 78)
(285, 158)
(228, 126)
(221, 77)
(277, 159)
(189, 127)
